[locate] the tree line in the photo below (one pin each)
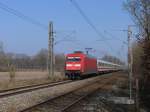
(23, 62)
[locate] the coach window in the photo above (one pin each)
(99, 64)
(103, 64)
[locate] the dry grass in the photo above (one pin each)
(27, 78)
(57, 77)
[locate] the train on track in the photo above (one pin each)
(78, 65)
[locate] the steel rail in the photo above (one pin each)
(80, 98)
(83, 97)
(34, 106)
(19, 90)
(22, 87)
(50, 99)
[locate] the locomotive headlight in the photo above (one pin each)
(68, 65)
(77, 65)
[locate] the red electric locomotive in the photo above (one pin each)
(79, 64)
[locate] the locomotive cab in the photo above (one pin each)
(73, 63)
(73, 67)
(79, 64)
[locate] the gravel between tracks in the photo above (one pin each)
(101, 100)
(19, 102)
(60, 103)
(56, 105)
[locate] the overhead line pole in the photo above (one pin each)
(50, 62)
(130, 60)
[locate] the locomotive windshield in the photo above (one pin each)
(73, 59)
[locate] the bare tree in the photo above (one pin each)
(1, 47)
(140, 12)
(137, 50)
(41, 58)
(59, 62)
(3, 59)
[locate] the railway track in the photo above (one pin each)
(71, 106)
(65, 102)
(81, 101)
(19, 90)
(26, 99)
(76, 101)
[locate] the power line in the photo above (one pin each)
(22, 16)
(89, 22)
(114, 37)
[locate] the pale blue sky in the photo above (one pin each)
(107, 15)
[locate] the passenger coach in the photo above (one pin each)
(105, 66)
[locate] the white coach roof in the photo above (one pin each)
(106, 62)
